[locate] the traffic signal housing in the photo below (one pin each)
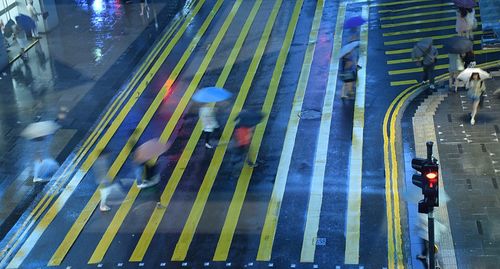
(428, 181)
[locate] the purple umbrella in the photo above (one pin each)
(354, 22)
(465, 3)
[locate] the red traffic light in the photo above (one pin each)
(432, 177)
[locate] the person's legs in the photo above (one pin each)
(104, 191)
(429, 74)
(475, 105)
(207, 139)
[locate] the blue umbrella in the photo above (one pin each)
(354, 22)
(25, 22)
(211, 94)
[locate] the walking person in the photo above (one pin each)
(245, 126)
(100, 168)
(461, 25)
(207, 114)
(146, 168)
(425, 55)
(423, 232)
(349, 75)
(21, 38)
(456, 65)
(475, 89)
(469, 59)
(34, 16)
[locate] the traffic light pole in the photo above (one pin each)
(430, 218)
(430, 221)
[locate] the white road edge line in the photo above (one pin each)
(356, 156)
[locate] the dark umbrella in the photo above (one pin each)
(249, 118)
(464, 3)
(421, 47)
(25, 22)
(7, 31)
(354, 22)
(458, 45)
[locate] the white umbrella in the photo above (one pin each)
(467, 73)
(348, 48)
(40, 129)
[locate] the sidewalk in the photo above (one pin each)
(470, 167)
(80, 65)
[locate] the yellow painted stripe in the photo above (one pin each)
(234, 210)
(356, 156)
(82, 219)
(273, 210)
(76, 159)
(156, 217)
(398, 3)
(416, 70)
(122, 212)
(408, 50)
(316, 188)
(28, 245)
(421, 30)
(392, 25)
(413, 40)
(189, 229)
(442, 56)
(414, 8)
(403, 82)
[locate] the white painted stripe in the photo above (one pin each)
(356, 158)
(320, 158)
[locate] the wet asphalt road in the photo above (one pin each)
(286, 252)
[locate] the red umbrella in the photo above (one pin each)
(465, 3)
(149, 150)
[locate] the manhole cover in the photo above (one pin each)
(310, 114)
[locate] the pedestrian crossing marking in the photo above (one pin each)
(420, 14)
(416, 69)
(404, 82)
(441, 56)
(227, 233)
(414, 8)
(314, 209)
(122, 212)
(71, 186)
(414, 40)
(84, 216)
(193, 219)
(398, 3)
(168, 192)
(392, 25)
(422, 30)
(408, 50)
(356, 156)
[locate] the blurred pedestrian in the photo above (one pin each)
(471, 21)
(100, 168)
(469, 59)
(21, 38)
(475, 89)
(207, 114)
(34, 16)
(423, 232)
(425, 55)
(461, 25)
(147, 174)
(349, 75)
(44, 168)
(456, 65)
(243, 136)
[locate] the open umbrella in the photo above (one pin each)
(464, 3)
(26, 22)
(354, 22)
(421, 47)
(40, 129)
(44, 169)
(467, 73)
(249, 118)
(211, 94)
(458, 45)
(348, 48)
(149, 150)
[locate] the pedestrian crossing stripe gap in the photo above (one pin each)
(88, 143)
(89, 208)
(414, 8)
(392, 25)
(413, 15)
(227, 233)
(56, 207)
(422, 30)
(193, 219)
(273, 210)
(172, 183)
(442, 56)
(399, 3)
(356, 157)
(122, 212)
